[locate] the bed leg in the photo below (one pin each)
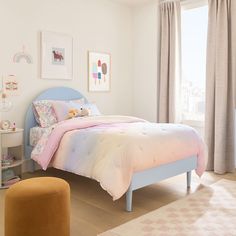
(129, 195)
(189, 179)
(32, 166)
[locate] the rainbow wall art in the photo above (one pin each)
(18, 57)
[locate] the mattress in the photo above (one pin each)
(36, 133)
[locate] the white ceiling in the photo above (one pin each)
(132, 2)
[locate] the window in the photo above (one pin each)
(194, 41)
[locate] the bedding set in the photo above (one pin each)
(110, 149)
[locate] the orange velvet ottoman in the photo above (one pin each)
(38, 207)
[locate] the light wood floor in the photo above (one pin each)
(93, 210)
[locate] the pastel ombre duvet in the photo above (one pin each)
(110, 149)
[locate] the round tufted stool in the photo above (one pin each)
(38, 207)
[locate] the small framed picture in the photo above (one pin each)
(99, 78)
(56, 56)
(10, 85)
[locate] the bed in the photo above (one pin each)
(138, 179)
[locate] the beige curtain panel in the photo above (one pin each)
(169, 48)
(219, 127)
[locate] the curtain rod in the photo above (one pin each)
(168, 1)
(182, 1)
(186, 2)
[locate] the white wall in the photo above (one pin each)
(146, 56)
(95, 25)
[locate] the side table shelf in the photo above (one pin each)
(11, 143)
(14, 164)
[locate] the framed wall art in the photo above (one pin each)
(56, 56)
(10, 85)
(99, 78)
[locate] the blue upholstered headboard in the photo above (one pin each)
(56, 93)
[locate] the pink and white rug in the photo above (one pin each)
(208, 212)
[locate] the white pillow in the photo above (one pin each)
(92, 107)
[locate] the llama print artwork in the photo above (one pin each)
(58, 56)
(99, 72)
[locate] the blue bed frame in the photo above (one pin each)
(139, 179)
